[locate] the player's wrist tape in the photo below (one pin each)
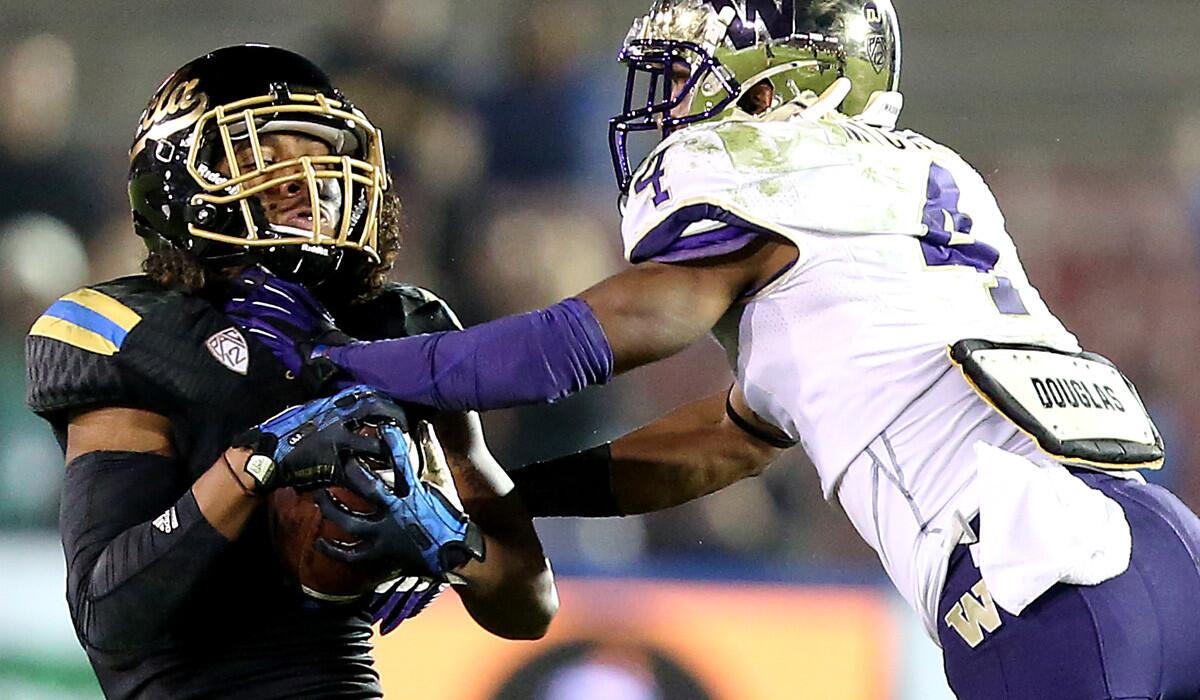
(249, 491)
(260, 466)
(528, 358)
(576, 485)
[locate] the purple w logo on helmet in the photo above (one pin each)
(775, 18)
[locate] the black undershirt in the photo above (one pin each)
(167, 608)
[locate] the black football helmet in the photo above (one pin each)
(188, 191)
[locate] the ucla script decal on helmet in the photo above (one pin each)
(176, 106)
(230, 349)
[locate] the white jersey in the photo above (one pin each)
(902, 252)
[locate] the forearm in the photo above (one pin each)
(136, 547)
(643, 314)
(693, 451)
(689, 453)
(511, 593)
(529, 358)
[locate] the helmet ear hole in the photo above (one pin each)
(757, 98)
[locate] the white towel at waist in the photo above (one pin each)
(1041, 525)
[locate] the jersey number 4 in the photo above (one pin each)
(653, 176)
(948, 240)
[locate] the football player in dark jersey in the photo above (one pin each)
(248, 159)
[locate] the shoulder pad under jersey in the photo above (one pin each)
(399, 310)
(130, 342)
(692, 187)
(71, 352)
(779, 177)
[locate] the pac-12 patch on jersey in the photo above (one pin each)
(230, 349)
(88, 320)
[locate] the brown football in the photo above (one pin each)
(296, 523)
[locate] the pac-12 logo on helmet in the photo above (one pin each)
(727, 47)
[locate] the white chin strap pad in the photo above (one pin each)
(330, 196)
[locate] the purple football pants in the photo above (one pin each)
(1136, 636)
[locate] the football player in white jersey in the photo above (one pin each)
(874, 309)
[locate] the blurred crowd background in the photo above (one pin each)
(1083, 116)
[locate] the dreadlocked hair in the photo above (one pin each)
(388, 241)
(179, 269)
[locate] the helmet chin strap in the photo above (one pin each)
(329, 198)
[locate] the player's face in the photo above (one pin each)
(289, 203)
(679, 77)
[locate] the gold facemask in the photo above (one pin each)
(362, 180)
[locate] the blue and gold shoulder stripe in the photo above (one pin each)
(89, 320)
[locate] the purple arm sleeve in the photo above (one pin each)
(535, 357)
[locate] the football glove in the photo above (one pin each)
(416, 529)
(402, 599)
(288, 319)
(304, 445)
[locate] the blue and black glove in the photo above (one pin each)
(415, 529)
(304, 445)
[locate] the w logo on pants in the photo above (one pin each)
(974, 614)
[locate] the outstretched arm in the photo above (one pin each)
(643, 314)
(654, 310)
(695, 450)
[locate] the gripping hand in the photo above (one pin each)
(288, 319)
(402, 599)
(415, 528)
(304, 445)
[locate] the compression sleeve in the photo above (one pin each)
(576, 485)
(534, 357)
(134, 546)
